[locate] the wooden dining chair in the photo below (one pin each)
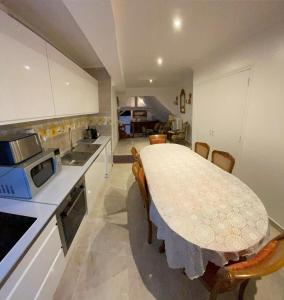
(157, 139)
(268, 260)
(134, 153)
(135, 169)
(142, 183)
(224, 160)
(202, 149)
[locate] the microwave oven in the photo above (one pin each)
(26, 179)
(15, 149)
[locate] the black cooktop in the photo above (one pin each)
(12, 228)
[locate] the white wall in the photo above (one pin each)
(114, 119)
(262, 160)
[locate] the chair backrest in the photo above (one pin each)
(157, 126)
(135, 169)
(223, 160)
(202, 149)
(134, 153)
(157, 139)
(268, 260)
(143, 186)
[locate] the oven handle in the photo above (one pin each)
(66, 214)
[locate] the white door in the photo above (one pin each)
(219, 109)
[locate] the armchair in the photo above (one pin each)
(179, 137)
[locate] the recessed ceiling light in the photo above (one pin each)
(67, 83)
(150, 80)
(27, 67)
(177, 23)
(159, 61)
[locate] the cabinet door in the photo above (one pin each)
(94, 178)
(25, 90)
(29, 276)
(52, 278)
(108, 158)
(229, 114)
(65, 83)
(221, 105)
(72, 87)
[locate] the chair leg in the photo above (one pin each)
(213, 295)
(162, 247)
(149, 232)
(242, 289)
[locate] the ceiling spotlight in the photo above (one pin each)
(159, 61)
(150, 80)
(177, 23)
(67, 83)
(27, 67)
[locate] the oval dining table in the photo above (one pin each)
(201, 212)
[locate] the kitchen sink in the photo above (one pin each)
(74, 158)
(90, 148)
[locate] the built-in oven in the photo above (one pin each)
(71, 213)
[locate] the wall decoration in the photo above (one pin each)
(189, 100)
(182, 101)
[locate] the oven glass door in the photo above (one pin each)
(72, 215)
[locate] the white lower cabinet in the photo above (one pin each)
(52, 278)
(38, 274)
(95, 176)
(108, 158)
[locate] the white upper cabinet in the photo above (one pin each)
(25, 89)
(74, 91)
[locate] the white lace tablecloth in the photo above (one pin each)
(202, 212)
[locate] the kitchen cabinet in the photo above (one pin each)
(38, 274)
(74, 91)
(108, 158)
(37, 81)
(25, 89)
(97, 173)
(94, 178)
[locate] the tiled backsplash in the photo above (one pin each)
(54, 133)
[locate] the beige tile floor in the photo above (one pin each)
(112, 260)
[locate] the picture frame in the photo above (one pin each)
(182, 101)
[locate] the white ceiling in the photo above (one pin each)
(127, 36)
(144, 31)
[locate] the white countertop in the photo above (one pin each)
(43, 206)
(55, 192)
(42, 213)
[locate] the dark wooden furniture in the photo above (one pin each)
(224, 160)
(140, 126)
(202, 149)
(268, 260)
(157, 139)
(122, 131)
